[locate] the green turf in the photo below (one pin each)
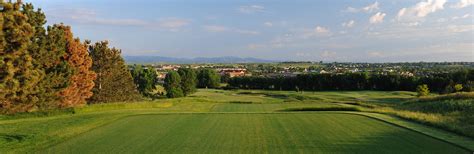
(252, 133)
(33, 132)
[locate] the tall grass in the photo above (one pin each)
(122, 105)
(453, 96)
(452, 112)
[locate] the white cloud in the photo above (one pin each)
(460, 28)
(348, 24)
(377, 18)
(90, 17)
(351, 10)
(248, 9)
(268, 24)
(215, 28)
(413, 23)
(401, 13)
(320, 29)
(461, 17)
(463, 4)
(173, 24)
(421, 9)
(306, 33)
(368, 9)
(372, 7)
(249, 32)
(218, 29)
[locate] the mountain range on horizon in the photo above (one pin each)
(162, 59)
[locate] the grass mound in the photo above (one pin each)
(454, 96)
(443, 106)
(332, 108)
(457, 102)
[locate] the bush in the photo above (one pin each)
(458, 87)
(422, 90)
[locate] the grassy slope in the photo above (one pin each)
(30, 134)
(252, 133)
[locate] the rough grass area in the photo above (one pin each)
(453, 112)
(252, 133)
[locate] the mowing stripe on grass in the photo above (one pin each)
(252, 133)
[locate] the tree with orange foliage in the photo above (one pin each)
(82, 80)
(18, 76)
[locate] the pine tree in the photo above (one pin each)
(422, 90)
(188, 80)
(82, 81)
(173, 85)
(18, 77)
(114, 82)
(48, 51)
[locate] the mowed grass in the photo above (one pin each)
(252, 133)
(239, 109)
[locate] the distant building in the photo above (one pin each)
(168, 67)
(233, 72)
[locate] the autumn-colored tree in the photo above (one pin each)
(48, 51)
(82, 81)
(18, 76)
(114, 82)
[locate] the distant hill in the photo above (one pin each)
(160, 59)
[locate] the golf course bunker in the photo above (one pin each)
(252, 133)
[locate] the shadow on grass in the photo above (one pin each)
(13, 137)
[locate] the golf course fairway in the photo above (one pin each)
(322, 132)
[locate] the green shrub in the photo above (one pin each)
(422, 90)
(458, 87)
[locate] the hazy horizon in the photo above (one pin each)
(322, 30)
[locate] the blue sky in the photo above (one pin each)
(328, 30)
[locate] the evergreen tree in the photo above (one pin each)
(173, 85)
(208, 78)
(114, 82)
(188, 80)
(82, 81)
(48, 51)
(422, 90)
(18, 76)
(49, 58)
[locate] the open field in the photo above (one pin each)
(248, 119)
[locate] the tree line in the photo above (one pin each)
(180, 83)
(46, 67)
(438, 82)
